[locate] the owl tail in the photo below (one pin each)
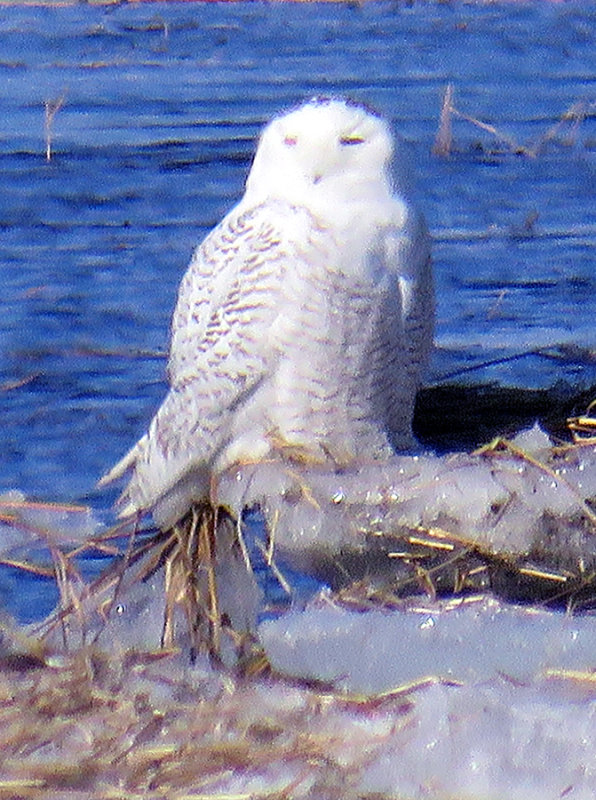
(125, 463)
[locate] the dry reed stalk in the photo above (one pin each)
(502, 137)
(52, 107)
(576, 114)
(444, 138)
(583, 428)
(36, 505)
(443, 145)
(190, 584)
(32, 569)
(8, 386)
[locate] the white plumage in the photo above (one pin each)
(304, 320)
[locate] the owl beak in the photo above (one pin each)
(317, 178)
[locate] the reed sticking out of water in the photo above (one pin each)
(52, 107)
(444, 138)
(572, 117)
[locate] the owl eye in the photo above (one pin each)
(291, 141)
(348, 141)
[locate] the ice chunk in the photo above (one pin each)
(503, 501)
(533, 441)
(496, 740)
(464, 640)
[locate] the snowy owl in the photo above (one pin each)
(304, 319)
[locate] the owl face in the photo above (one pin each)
(321, 149)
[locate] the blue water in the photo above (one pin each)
(162, 104)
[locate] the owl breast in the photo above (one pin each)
(339, 342)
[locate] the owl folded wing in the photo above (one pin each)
(220, 353)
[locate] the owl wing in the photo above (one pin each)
(220, 351)
(409, 327)
(409, 249)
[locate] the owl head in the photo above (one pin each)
(325, 149)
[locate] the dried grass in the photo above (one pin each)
(98, 728)
(583, 428)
